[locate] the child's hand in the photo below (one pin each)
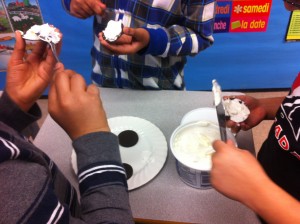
(85, 8)
(29, 75)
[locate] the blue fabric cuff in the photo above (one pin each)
(66, 4)
(158, 42)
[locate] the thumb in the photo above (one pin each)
(19, 48)
(218, 145)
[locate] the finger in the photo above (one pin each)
(52, 96)
(123, 39)
(49, 57)
(59, 67)
(236, 128)
(104, 44)
(19, 48)
(78, 84)
(46, 61)
(39, 48)
(115, 49)
(63, 83)
(245, 126)
(230, 123)
(93, 89)
(138, 33)
(58, 46)
(129, 31)
(99, 8)
(87, 10)
(47, 65)
(101, 38)
(229, 97)
(82, 12)
(38, 52)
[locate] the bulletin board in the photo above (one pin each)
(246, 55)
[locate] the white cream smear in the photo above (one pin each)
(236, 110)
(43, 32)
(113, 30)
(192, 145)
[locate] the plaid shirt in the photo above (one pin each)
(177, 29)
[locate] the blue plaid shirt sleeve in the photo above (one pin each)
(189, 36)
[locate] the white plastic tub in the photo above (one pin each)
(191, 146)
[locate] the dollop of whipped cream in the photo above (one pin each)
(43, 32)
(113, 30)
(236, 109)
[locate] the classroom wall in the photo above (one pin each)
(258, 60)
(239, 61)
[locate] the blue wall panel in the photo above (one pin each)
(260, 60)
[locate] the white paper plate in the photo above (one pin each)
(147, 157)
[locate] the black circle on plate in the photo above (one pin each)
(128, 170)
(128, 138)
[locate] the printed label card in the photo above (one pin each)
(242, 16)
